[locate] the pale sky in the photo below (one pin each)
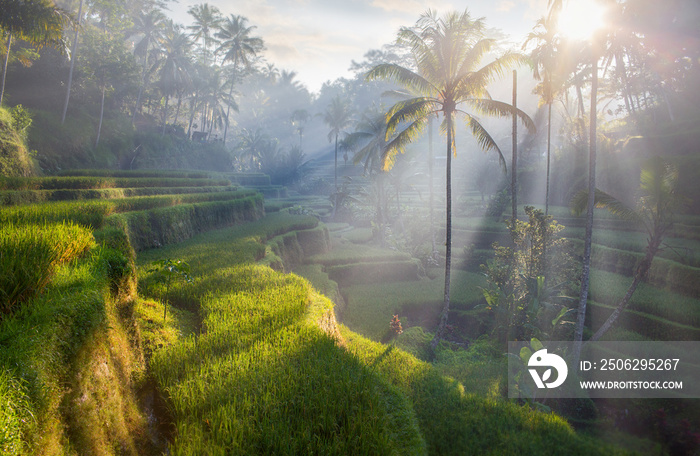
(318, 39)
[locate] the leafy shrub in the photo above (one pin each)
(29, 255)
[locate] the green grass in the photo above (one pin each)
(608, 288)
(455, 422)
(19, 197)
(40, 345)
(93, 213)
(96, 182)
(359, 235)
(263, 377)
(346, 253)
(29, 255)
(370, 307)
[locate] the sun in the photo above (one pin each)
(579, 19)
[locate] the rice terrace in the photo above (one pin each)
(350, 228)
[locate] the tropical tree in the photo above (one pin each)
(150, 27)
(448, 52)
(175, 65)
(596, 48)
(544, 59)
(658, 201)
(338, 116)
(369, 143)
(39, 22)
(207, 20)
(238, 47)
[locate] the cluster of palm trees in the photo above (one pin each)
(199, 64)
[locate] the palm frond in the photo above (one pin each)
(401, 75)
(485, 140)
(579, 204)
(400, 141)
(408, 111)
(501, 109)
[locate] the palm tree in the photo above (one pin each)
(207, 19)
(213, 98)
(595, 48)
(238, 47)
(369, 143)
(447, 52)
(544, 60)
(38, 22)
(175, 67)
(337, 116)
(658, 201)
(150, 27)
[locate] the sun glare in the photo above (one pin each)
(581, 18)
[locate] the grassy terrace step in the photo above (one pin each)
(264, 378)
(157, 173)
(93, 213)
(608, 288)
(347, 253)
(455, 422)
(18, 197)
(369, 307)
(90, 182)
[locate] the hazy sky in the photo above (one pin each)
(318, 39)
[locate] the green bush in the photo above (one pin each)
(29, 255)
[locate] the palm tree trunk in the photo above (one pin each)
(549, 149)
(335, 169)
(143, 82)
(193, 103)
(4, 66)
(448, 237)
(585, 277)
(639, 275)
(165, 114)
(228, 108)
(177, 111)
(431, 196)
(380, 211)
(73, 56)
(514, 162)
(102, 112)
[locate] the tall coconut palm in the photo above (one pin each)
(448, 52)
(149, 27)
(338, 116)
(38, 22)
(544, 61)
(238, 47)
(596, 48)
(207, 20)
